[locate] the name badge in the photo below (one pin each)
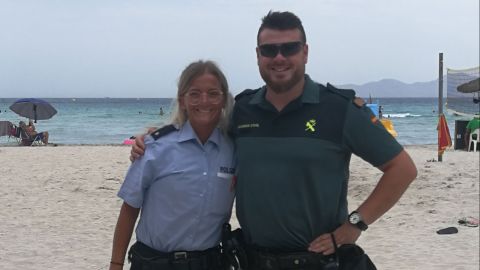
(229, 177)
(225, 175)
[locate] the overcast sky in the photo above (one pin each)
(95, 48)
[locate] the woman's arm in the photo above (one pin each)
(123, 234)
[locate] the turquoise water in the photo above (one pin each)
(96, 121)
(111, 120)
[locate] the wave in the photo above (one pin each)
(400, 115)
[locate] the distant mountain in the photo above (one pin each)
(395, 88)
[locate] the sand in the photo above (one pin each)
(59, 209)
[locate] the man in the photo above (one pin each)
(294, 139)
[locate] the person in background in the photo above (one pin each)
(182, 185)
(471, 126)
(294, 139)
(32, 133)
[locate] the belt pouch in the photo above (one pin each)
(352, 257)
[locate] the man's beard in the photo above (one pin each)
(282, 86)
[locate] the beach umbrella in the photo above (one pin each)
(33, 108)
(444, 139)
(470, 87)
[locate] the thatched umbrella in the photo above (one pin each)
(470, 87)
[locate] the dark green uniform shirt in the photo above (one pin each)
(293, 165)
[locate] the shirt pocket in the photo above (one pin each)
(223, 193)
(180, 183)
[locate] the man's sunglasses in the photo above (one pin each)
(286, 49)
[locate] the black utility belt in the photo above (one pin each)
(149, 258)
(263, 259)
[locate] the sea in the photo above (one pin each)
(109, 121)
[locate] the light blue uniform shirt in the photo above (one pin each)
(184, 190)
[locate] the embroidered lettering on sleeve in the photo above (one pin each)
(252, 125)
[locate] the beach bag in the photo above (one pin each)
(352, 257)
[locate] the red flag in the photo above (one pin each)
(444, 140)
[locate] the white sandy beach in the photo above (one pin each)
(59, 209)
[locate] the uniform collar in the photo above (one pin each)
(186, 133)
(310, 93)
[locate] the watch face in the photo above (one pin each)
(354, 218)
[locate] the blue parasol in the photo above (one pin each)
(33, 108)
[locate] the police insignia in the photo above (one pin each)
(310, 125)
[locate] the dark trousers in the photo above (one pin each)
(143, 257)
(347, 257)
(263, 259)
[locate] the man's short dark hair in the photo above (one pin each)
(281, 21)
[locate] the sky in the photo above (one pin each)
(137, 49)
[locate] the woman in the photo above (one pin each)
(32, 134)
(182, 183)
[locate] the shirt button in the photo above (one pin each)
(204, 173)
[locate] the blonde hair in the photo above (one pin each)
(191, 72)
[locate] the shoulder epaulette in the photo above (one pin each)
(246, 92)
(347, 93)
(163, 131)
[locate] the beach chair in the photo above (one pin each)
(7, 128)
(474, 139)
(26, 139)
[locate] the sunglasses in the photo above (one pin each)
(286, 49)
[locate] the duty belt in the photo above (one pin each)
(267, 260)
(151, 259)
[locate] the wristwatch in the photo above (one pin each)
(356, 220)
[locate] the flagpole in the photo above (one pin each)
(440, 98)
